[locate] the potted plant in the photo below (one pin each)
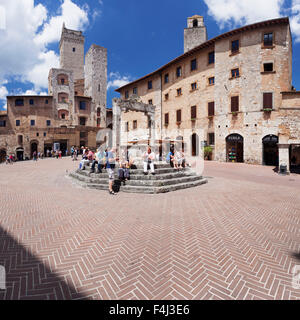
(267, 109)
(234, 113)
(207, 152)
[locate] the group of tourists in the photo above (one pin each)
(10, 159)
(37, 155)
(107, 159)
(176, 158)
(74, 153)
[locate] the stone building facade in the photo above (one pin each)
(236, 87)
(71, 114)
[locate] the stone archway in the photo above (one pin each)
(270, 150)
(234, 148)
(134, 103)
(33, 147)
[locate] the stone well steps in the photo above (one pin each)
(165, 179)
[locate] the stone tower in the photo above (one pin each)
(72, 52)
(95, 82)
(195, 33)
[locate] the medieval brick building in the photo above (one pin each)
(236, 87)
(71, 113)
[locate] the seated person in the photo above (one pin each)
(99, 159)
(170, 157)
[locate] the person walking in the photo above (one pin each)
(149, 158)
(11, 159)
(111, 159)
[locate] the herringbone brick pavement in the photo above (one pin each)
(234, 238)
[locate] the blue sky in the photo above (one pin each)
(140, 35)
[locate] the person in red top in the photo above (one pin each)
(91, 155)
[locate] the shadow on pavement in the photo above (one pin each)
(29, 278)
(296, 255)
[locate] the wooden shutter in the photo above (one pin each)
(234, 104)
(178, 116)
(268, 100)
(193, 112)
(166, 118)
(211, 109)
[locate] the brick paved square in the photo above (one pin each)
(236, 237)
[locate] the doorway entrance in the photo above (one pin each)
(235, 148)
(295, 158)
(2, 155)
(20, 154)
(34, 148)
(270, 150)
(195, 144)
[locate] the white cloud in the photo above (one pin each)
(117, 81)
(29, 29)
(3, 93)
(241, 12)
(295, 20)
(237, 12)
(39, 73)
(74, 17)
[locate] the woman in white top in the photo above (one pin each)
(149, 158)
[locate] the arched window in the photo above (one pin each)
(62, 79)
(63, 114)
(98, 112)
(195, 23)
(63, 97)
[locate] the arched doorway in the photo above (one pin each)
(20, 154)
(235, 148)
(195, 144)
(34, 148)
(270, 150)
(2, 155)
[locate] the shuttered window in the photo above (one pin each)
(235, 104)
(235, 73)
(211, 139)
(193, 112)
(211, 109)
(178, 116)
(268, 100)
(166, 119)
